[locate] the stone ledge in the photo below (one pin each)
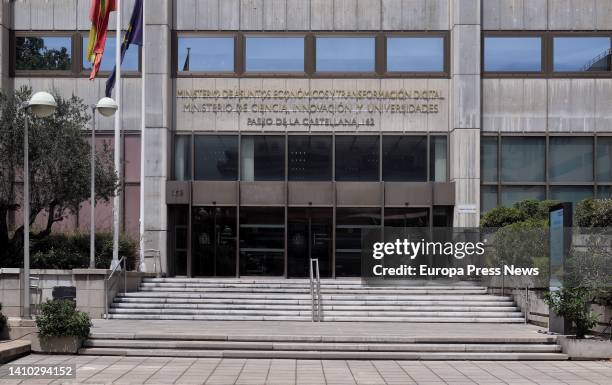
(13, 349)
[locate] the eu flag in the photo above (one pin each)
(132, 36)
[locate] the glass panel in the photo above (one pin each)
(43, 53)
(281, 54)
(263, 158)
(357, 158)
(580, 54)
(415, 54)
(130, 59)
(345, 54)
(512, 54)
(604, 192)
(407, 217)
(216, 157)
(488, 198)
(443, 216)
(571, 159)
(513, 194)
(309, 236)
(179, 216)
(310, 157)
(349, 224)
(572, 194)
(523, 159)
(214, 241)
(206, 54)
(404, 158)
(604, 159)
(182, 157)
(488, 159)
(438, 158)
(262, 241)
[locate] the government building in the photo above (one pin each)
(279, 130)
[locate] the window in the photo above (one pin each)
(415, 54)
(513, 194)
(571, 159)
(488, 198)
(345, 54)
(407, 217)
(213, 242)
(404, 158)
(310, 158)
(438, 159)
(263, 158)
(216, 157)
(513, 54)
(604, 159)
(39, 53)
(182, 157)
(581, 54)
(523, 159)
(130, 60)
(262, 241)
(205, 54)
(357, 158)
(488, 159)
(350, 222)
(274, 54)
(572, 194)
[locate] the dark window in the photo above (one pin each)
(415, 54)
(43, 53)
(523, 159)
(581, 54)
(571, 159)
(129, 63)
(512, 54)
(262, 241)
(438, 159)
(345, 54)
(309, 235)
(604, 192)
(205, 54)
(350, 222)
(604, 159)
(407, 217)
(572, 194)
(513, 194)
(263, 158)
(213, 241)
(275, 54)
(216, 157)
(488, 159)
(442, 216)
(310, 157)
(182, 157)
(357, 158)
(404, 158)
(488, 198)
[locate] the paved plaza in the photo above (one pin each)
(148, 370)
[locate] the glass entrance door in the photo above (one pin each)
(309, 236)
(213, 242)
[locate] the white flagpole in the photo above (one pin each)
(143, 141)
(117, 199)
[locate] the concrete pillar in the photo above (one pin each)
(465, 111)
(5, 24)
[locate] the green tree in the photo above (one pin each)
(59, 165)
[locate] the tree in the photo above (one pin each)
(59, 165)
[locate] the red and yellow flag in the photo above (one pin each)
(98, 14)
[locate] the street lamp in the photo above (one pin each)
(41, 104)
(107, 108)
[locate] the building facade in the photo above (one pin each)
(277, 130)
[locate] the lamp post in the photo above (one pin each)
(107, 108)
(41, 104)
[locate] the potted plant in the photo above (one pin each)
(61, 327)
(573, 304)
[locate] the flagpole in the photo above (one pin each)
(142, 266)
(117, 199)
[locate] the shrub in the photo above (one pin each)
(528, 209)
(573, 304)
(594, 213)
(2, 319)
(59, 318)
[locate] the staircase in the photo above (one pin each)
(290, 300)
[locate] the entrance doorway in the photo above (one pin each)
(309, 236)
(213, 242)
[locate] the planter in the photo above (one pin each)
(588, 348)
(60, 345)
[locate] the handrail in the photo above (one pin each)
(597, 58)
(315, 290)
(123, 261)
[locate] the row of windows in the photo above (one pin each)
(311, 157)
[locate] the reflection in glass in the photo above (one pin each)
(513, 194)
(571, 159)
(349, 224)
(310, 157)
(604, 159)
(309, 236)
(580, 54)
(262, 241)
(572, 194)
(404, 158)
(438, 158)
(263, 158)
(213, 242)
(512, 54)
(205, 54)
(129, 63)
(280, 54)
(407, 217)
(488, 198)
(43, 53)
(357, 158)
(216, 157)
(604, 192)
(182, 157)
(415, 54)
(345, 54)
(488, 159)
(523, 159)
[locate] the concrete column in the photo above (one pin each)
(5, 25)
(465, 110)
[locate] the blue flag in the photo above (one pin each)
(132, 36)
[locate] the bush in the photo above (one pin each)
(2, 319)
(594, 213)
(528, 209)
(573, 304)
(59, 318)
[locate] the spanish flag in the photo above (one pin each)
(98, 14)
